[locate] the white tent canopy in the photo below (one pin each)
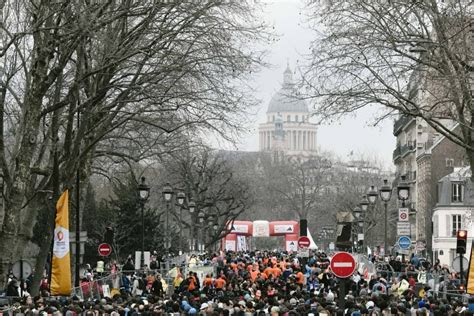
(312, 244)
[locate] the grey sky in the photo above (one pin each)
(353, 134)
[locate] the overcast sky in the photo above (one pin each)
(353, 134)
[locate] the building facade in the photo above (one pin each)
(422, 157)
(288, 128)
(454, 211)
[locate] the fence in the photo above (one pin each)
(433, 280)
(111, 285)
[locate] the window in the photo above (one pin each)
(296, 118)
(456, 220)
(457, 192)
(288, 118)
(273, 118)
(449, 162)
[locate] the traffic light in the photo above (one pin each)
(461, 237)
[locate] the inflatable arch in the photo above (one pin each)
(236, 240)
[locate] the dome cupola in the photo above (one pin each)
(285, 100)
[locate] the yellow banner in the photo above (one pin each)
(470, 275)
(61, 271)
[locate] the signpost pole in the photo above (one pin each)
(342, 291)
(21, 277)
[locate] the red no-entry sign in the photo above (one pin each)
(303, 242)
(104, 250)
(343, 264)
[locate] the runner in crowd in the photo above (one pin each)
(263, 283)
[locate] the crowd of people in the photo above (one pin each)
(265, 283)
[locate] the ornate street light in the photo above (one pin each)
(201, 216)
(191, 206)
(403, 189)
(357, 212)
(180, 198)
(372, 195)
(385, 191)
(143, 190)
(385, 195)
(364, 204)
(167, 196)
(143, 193)
(167, 192)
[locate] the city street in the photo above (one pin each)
(273, 157)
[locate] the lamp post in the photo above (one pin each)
(180, 198)
(167, 196)
(359, 224)
(403, 192)
(192, 208)
(201, 221)
(143, 194)
(371, 198)
(385, 195)
(364, 205)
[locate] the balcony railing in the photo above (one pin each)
(408, 147)
(402, 121)
(397, 153)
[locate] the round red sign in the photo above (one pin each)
(343, 264)
(303, 242)
(104, 250)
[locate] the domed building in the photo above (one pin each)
(288, 128)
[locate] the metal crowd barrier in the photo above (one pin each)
(110, 285)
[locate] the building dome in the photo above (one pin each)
(284, 100)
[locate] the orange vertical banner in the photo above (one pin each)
(61, 268)
(470, 274)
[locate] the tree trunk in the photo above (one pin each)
(45, 248)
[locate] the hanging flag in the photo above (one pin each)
(470, 275)
(61, 268)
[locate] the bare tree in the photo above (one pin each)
(302, 182)
(90, 80)
(209, 178)
(412, 57)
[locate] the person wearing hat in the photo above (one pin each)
(204, 308)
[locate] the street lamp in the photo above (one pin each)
(143, 194)
(385, 195)
(180, 198)
(167, 195)
(357, 212)
(364, 204)
(360, 224)
(372, 195)
(201, 220)
(403, 189)
(192, 208)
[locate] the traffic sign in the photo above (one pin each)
(343, 264)
(404, 242)
(403, 214)
(403, 229)
(456, 264)
(22, 269)
(303, 242)
(104, 250)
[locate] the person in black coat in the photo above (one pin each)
(157, 286)
(12, 288)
